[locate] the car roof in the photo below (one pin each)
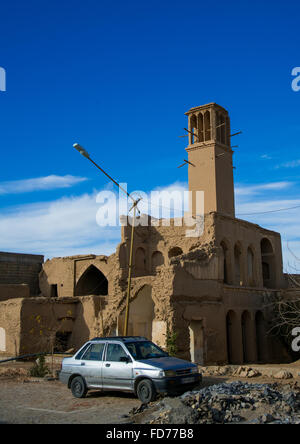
(120, 338)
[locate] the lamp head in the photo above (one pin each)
(81, 150)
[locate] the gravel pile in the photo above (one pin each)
(235, 402)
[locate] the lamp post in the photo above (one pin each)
(84, 153)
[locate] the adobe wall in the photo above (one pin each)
(12, 291)
(21, 269)
(184, 277)
(10, 326)
(246, 235)
(65, 272)
(249, 343)
(41, 318)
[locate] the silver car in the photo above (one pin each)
(131, 364)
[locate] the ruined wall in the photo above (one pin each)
(21, 269)
(65, 273)
(182, 280)
(10, 326)
(41, 319)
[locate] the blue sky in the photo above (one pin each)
(118, 77)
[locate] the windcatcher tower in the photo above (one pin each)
(210, 157)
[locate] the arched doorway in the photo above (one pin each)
(233, 332)
(93, 282)
(246, 336)
(260, 337)
(197, 346)
(268, 263)
(141, 314)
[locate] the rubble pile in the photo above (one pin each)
(235, 402)
(248, 372)
(12, 372)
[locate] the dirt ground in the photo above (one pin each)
(50, 402)
(25, 400)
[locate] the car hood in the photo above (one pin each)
(167, 363)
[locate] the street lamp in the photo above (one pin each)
(84, 153)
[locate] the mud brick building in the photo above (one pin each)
(211, 289)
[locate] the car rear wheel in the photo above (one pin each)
(146, 391)
(78, 387)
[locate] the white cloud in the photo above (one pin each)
(291, 164)
(68, 226)
(266, 156)
(251, 190)
(63, 227)
(39, 184)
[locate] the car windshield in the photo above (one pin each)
(145, 350)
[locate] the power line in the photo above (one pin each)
(271, 211)
(238, 214)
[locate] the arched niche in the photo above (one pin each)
(175, 251)
(157, 259)
(226, 262)
(267, 263)
(92, 282)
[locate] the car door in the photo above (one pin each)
(91, 365)
(117, 373)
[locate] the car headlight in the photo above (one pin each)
(194, 370)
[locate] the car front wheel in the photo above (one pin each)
(146, 391)
(78, 387)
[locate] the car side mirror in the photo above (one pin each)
(125, 359)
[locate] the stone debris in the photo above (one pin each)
(246, 372)
(283, 374)
(227, 370)
(13, 372)
(235, 402)
(249, 372)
